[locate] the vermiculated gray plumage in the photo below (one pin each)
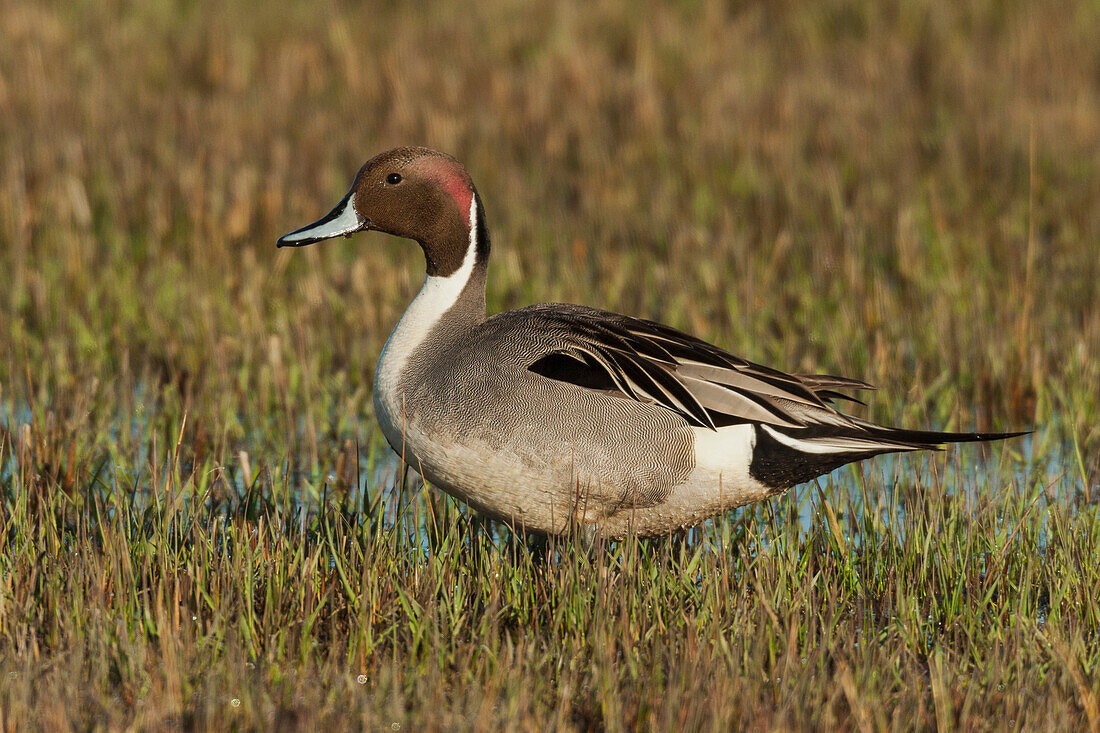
(558, 414)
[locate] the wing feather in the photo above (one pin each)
(662, 387)
(726, 401)
(707, 386)
(756, 383)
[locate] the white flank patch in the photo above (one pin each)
(345, 222)
(819, 446)
(726, 451)
(435, 298)
(720, 480)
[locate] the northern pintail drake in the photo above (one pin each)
(556, 416)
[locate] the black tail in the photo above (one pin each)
(925, 439)
(784, 457)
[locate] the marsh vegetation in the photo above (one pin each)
(201, 526)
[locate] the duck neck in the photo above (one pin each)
(456, 299)
(450, 304)
(447, 306)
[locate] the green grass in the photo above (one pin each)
(201, 527)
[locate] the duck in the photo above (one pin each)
(558, 417)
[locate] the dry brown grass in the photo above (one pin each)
(904, 192)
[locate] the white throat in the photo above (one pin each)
(437, 295)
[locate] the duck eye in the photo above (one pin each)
(393, 179)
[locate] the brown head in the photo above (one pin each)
(416, 193)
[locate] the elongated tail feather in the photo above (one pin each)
(783, 457)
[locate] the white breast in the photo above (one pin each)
(435, 298)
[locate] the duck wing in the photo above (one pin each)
(656, 364)
(796, 426)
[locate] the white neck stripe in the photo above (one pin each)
(437, 295)
(463, 272)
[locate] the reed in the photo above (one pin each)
(201, 527)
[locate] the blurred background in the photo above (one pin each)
(904, 192)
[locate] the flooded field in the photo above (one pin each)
(201, 527)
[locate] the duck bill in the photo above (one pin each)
(343, 220)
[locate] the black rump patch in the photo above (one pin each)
(779, 467)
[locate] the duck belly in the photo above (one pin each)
(543, 475)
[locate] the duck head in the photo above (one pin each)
(415, 193)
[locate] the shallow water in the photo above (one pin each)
(882, 486)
